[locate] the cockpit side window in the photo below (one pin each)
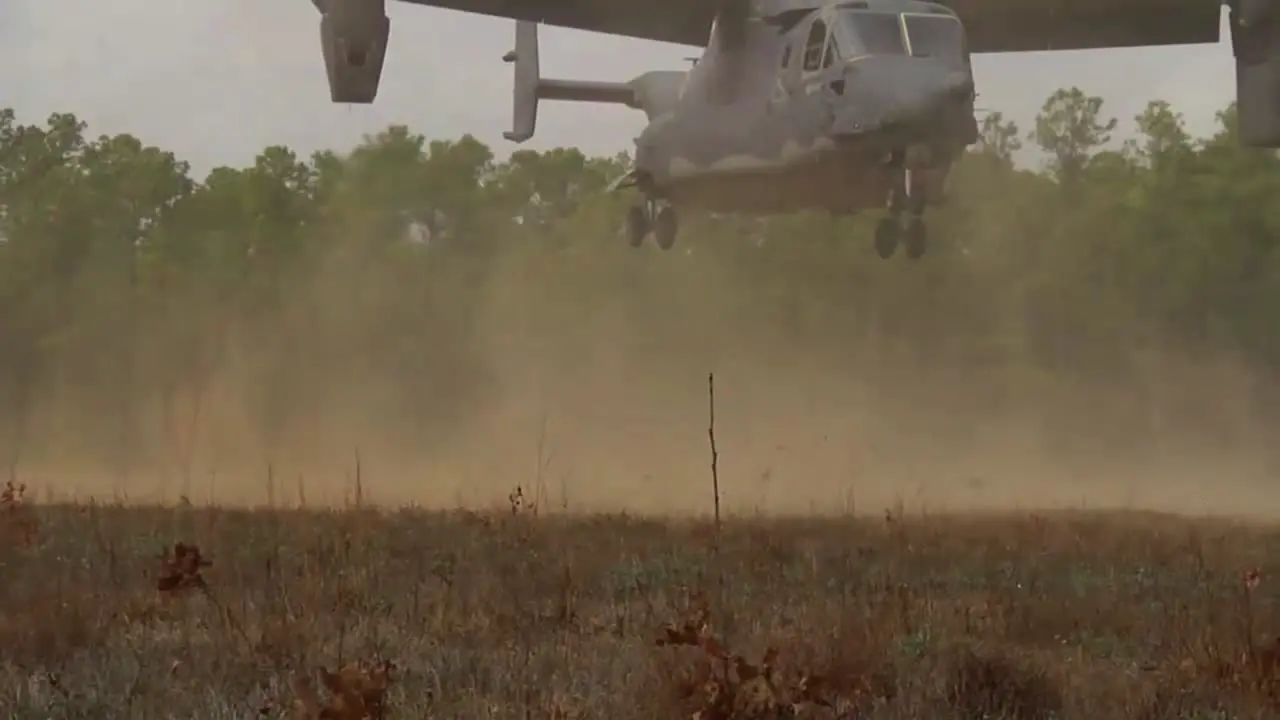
(829, 57)
(814, 46)
(880, 33)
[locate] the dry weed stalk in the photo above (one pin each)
(356, 692)
(17, 520)
(1256, 670)
(519, 504)
(723, 685)
(1260, 664)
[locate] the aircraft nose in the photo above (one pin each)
(933, 98)
(894, 91)
(958, 86)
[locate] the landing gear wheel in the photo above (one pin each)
(637, 225)
(665, 227)
(917, 203)
(916, 239)
(887, 232)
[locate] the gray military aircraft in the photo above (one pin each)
(839, 105)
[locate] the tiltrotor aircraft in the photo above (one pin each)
(837, 105)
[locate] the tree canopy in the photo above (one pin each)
(395, 286)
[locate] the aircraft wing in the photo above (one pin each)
(687, 22)
(1012, 26)
(993, 25)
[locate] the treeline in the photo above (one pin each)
(390, 293)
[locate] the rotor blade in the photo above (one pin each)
(1254, 12)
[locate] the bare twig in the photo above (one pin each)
(359, 481)
(711, 435)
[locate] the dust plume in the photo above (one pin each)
(587, 385)
(805, 427)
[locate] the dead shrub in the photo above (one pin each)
(983, 686)
(46, 633)
(18, 523)
(356, 692)
(180, 569)
(723, 685)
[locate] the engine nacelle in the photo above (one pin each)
(353, 38)
(1255, 40)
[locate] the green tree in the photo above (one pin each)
(1070, 128)
(998, 137)
(377, 296)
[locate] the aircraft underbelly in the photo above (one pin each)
(791, 154)
(835, 182)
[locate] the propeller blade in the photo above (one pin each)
(731, 23)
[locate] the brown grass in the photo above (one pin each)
(496, 615)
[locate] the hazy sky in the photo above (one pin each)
(217, 80)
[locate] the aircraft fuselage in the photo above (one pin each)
(804, 111)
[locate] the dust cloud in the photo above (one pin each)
(800, 434)
(602, 404)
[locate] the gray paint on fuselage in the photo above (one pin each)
(741, 111)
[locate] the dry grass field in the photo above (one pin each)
(521, 614)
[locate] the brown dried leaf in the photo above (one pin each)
(712, 647)
(672, 634)
(356, 692)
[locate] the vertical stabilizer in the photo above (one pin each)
(530, 87)
(528, 73)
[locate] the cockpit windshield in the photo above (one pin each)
(879, 33)
(938, 36)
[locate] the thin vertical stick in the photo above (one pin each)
(359, 482)
(271, 486)
(711, 435)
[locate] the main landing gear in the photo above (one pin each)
(652, 216)
(906, 194)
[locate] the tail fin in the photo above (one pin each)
(530, 87)
(528, 75)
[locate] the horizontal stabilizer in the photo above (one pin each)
(530, 87)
